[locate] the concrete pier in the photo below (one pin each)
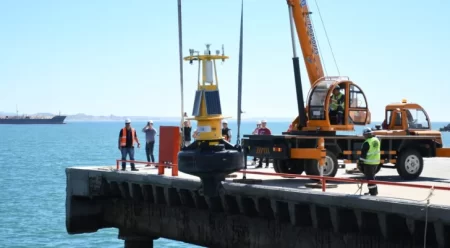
(277, 213)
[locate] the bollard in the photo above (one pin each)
(169, 146)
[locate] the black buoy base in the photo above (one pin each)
(211, 163)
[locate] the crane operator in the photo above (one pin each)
(337, 104)
(370, 159)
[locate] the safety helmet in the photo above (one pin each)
(150, 121)
(258, 123)
(367, 131)
(337, 87)
(263, 121)
(225, 122)
(127, 120)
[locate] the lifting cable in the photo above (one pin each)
(239, 107)
(180, 48)
(318, 46)
(328, 40)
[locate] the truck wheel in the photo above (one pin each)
(289, 166)
(410, 164)
(276, 165)
(330, 169)
(292, 166)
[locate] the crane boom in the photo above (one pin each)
(308, 44)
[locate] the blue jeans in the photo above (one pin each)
(130, 152)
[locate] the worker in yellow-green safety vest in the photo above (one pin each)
(370, 159)
(337, 103)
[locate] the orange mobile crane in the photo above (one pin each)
(404, 140)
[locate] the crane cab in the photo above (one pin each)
(336, 104)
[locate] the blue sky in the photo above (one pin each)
(121, 57)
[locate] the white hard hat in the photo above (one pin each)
(367, 130)
(263, 121)
(127, 120)
(150, 121)
(258, 123)
(225, 121)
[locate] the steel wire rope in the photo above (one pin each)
(328, 40)
(318, 45)
(180, 49)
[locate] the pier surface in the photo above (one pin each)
(277, 212)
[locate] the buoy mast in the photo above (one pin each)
(207, 108)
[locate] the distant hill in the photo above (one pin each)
(85, 117)
(6, 113)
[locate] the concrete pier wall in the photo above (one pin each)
(144, 207)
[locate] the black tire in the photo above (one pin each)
(289, 166)
(330, 169)
(276, 165)
(409, 164)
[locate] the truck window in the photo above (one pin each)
(417, 119)
(317, 99)
(398, 119)
(358, 106)
(388, 117)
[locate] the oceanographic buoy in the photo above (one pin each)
(210, 156)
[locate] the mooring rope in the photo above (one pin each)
(427, 206)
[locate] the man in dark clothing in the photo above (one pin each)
(150, 134)
(226, 132)
(127, 138)
(187, 133)
(263, 130)
(370, 159)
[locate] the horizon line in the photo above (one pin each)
(143, 117)
(233, 120)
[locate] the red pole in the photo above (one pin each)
(324, 184)
(174, 170)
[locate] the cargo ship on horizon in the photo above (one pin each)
(32, 119)
(57, 119)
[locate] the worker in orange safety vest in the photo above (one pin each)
(127, 138)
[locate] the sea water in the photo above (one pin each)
(33, 180)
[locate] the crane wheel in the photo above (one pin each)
(409, 164)
(330, 169)
(289, 166)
